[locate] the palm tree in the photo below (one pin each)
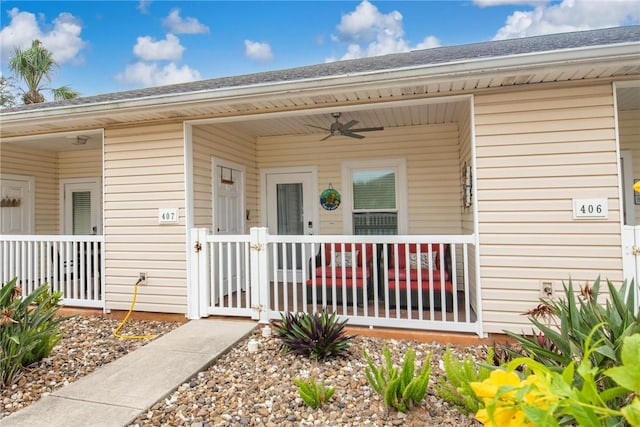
(34, 65)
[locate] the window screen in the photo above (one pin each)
(81, 212)
(374, 202)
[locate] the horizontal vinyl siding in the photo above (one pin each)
(80, 164)
(629, 135)
(536, 150)
(43, 166)
(224, 143)
(433, 175)
(144, 171)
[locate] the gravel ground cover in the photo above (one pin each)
(88, 343)
(256, 389)
(242, 388)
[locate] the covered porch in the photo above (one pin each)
(51, 215)
(416, 282)
(404, 190)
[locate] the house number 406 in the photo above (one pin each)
(590, 208)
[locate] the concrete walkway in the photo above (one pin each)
(118, 392)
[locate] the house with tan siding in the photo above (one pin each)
(464, 184)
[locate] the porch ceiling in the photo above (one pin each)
(388, 117)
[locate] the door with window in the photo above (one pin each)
(290, 211)
(630, 231)
(82, 206)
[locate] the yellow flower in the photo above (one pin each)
(488, 388)
(506, 409)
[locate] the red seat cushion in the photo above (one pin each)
(348, 272)
(413, 274)
(402, 284)
(349, 283)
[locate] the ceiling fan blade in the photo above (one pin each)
(347, 125)
(366, 129)
(317, 127)
(352, 135)
(326, 137)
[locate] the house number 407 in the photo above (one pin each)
(168, 216)
(590, 208)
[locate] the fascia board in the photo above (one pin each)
(602, 55)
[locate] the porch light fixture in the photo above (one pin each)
(80, 140)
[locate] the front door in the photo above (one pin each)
(290, 201)
(228, 218)
(82, 207)
(16, 204)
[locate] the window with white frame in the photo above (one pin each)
(376, 190)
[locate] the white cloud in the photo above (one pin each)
(488, 3)
(178, 25)
(148, 49)
(428, 43)
(151, 74)
(143, 6)
(370, 33)
(569, 15)
(258, 51)
(63, 39)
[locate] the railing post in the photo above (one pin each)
(259, 273)
(199, 277)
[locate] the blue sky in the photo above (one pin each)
(108, 46)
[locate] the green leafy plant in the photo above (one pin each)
(313, 393)
(570, 320)
(454, 386)
(317, 335)
(29, 328)
(545, 397)
(399, 387)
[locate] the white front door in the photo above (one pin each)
(82, 206)
(290, 211)
(228, 218)
(16, 204)
(630, 231)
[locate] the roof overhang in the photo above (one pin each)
(595, 62)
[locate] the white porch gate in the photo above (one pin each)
(631, 255)
(269, 286)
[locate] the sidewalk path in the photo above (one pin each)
(116, 393)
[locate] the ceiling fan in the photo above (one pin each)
(345, 129)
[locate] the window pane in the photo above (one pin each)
(375, 223)
(81, 212)
(374, 189)
(290, 220)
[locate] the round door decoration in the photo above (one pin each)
(330, 199)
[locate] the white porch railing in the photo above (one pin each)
(69, 264)
(418, 282)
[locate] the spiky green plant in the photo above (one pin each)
(315, 394)
(454, 386)
(316, 335)
(29, 328)
(399, 387)
(566, 323)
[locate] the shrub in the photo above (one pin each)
(399, 388)
(30, 328)
(545, 397)
(313, 393)
(317, 335)
(570, 321)
(454, 386)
